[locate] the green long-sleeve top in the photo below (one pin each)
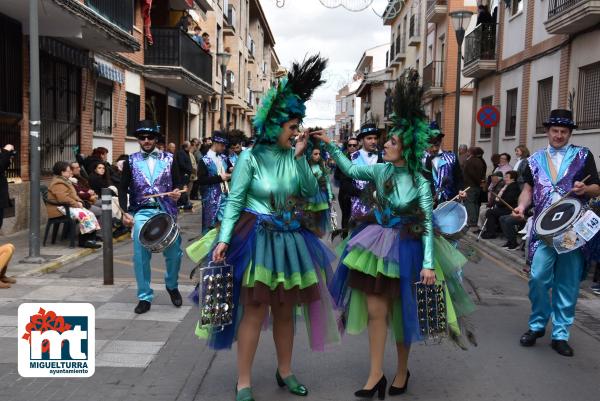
(403, 194)
(262, 172)
(318, 173)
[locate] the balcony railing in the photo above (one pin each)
(175, 48)
(480, 44)
(392, 54)
(433, 3)
(433, 75)
(119, 12)
(558, 6)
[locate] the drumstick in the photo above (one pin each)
(502, 200)
(163, 194)
(567, 194)
(453, 199)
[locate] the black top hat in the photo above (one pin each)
(561, 118)
(368, 128)
(146, 127)
(436, 133)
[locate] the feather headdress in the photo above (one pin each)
(286, 101)
(409, 120)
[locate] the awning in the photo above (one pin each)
(108, 71)
(64, 52)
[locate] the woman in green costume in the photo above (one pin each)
(384, 257)
(278, 264)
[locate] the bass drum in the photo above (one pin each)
(159, 232)
(450, 220)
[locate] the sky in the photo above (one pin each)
(306, 26)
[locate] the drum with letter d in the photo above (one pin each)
(450, 219)
(567, 225)
(159, 232)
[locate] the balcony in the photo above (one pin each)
(433, 79)
(480, 51)
(400, 52)
(99, 25)
(414, 30)
(436, 11)
(251, 49)
(572, 16)
(177, 62)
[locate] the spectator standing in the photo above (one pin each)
(483, 15)
(522, 153)
(474, 177)
(463, 154)
(347, 189)
(194, 174)
(197, 36)
(504, 165)
(171, 148)
(6, 155)
(184, 163)
(206, 42)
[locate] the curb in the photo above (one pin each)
(63, 260)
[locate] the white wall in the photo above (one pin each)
(466, 113)
(543, 68)
(357, 113)
(131, 146)
(540, 15)
(514, 32)
(378, 54)
(510, 80)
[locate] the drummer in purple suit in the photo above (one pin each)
(442, 168)
(149, 172)
(366, 156)
(550, 174)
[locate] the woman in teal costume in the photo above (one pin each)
(318, 206)
(385, 257)
(278, 264)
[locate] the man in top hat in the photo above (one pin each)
(550, 174)
(366, 156)
(442, 168)
(213, 177)
(148, 172)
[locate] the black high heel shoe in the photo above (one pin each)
(400, 390)
(379, 388)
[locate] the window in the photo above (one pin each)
(544, 104)
(588, 101)
(103, 109)
(516, 6)
(132, 103)
(486, 133)
(511, 112)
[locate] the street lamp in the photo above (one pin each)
(222, 60)
(460, 20)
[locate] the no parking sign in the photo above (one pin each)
(488, 116)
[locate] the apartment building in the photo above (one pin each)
(545, 56)
(252, 68)
(375, 82)
(347, 115)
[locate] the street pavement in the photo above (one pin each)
(156, 356)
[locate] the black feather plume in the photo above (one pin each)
(408, 96)
(305, 77)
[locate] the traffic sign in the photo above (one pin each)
(488, 116)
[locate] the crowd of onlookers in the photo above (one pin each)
(186, 24)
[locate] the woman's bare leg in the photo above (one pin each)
(378, 310)
(248, 336)
(283, 336)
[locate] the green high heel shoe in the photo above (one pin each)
(292, 384)
(244, 394)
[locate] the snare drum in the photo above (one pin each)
(159, 232)
(558, 220)
(450, 219)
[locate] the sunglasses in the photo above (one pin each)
(352, 145)
(147, 137)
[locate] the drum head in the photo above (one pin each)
(156, 228)
(450, 217)
(559, 217)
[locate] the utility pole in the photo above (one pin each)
(34, 136)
